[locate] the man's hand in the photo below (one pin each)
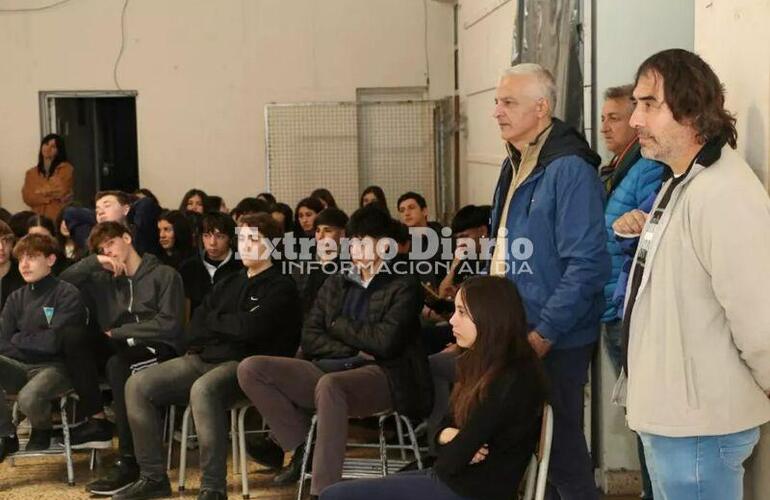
(112, 265)
(480, 455)
(630, 223)
(538, 343)
(108, 333)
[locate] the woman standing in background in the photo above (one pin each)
(48, 185)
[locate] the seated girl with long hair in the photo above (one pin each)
(485, 443)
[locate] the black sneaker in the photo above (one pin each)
(120, 476)
(145, 488)
(8, 445)
(211, 495)
(265, 452)
(290, 474)
(94, 433)
(39, 440)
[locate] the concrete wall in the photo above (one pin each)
(204, 71)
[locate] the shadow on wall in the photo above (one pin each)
(756, 147)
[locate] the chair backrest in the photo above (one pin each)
(537, 472)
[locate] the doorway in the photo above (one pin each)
(99, 131)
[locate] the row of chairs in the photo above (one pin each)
(535, 478)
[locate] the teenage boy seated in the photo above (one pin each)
(140, 215)
(217, 260)
(413, 212)
(137, 323)
(329, 231)
(33, 322)
(253, 311)
(363, 356)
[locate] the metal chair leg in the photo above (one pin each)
(413, 439)
(383, 446)
(234, 440)
(242, 449)
(400, 434)
(171, 417)
(183, 448)
(303, 475)
(67, 443)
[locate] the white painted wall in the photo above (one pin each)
(485, 38)
(204, 70)
(732, 37)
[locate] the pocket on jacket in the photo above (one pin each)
(689, 375)
(735, 448)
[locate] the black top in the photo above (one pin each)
(34, 318)
(197, 280)
(508, 420)
(11, 282)
(245, 316)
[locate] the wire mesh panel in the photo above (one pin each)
(312, 146)
(347, 146)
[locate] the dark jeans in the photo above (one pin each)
(36, 386)
(413, 485)
(570, 474)
(211, 390)
(442, 369)
(285, 391)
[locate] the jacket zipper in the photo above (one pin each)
(131, 299)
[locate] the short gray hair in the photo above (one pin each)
(622, 92)
(544, 78)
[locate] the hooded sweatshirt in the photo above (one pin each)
(144, 309)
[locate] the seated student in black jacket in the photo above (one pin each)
(31, 328)
(363, 356)
(218, 260)
(253, 311)
(489, 436)
(135, 321)
(10, 278)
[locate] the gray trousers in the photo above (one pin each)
(287, 390)
(36, 385)
(210, 389)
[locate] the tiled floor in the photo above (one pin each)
(44, 478)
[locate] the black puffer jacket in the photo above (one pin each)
(390, 331)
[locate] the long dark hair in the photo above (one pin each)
(184, 242)
(501, 343)
(189, 194)
(325, 196)
(311, 203)
(693, 92)
(378, 193)
(61, 154)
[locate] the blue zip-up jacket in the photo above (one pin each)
(559, 208)
(643, 178)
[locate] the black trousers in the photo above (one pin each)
(88, 353)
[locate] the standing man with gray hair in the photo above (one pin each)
(548, 218)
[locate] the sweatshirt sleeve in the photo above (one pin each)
(387, 338)
(731, 236)
(167, 323)
(8, 324)
(83, 271)
(581, 241)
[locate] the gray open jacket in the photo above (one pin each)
(144, 309)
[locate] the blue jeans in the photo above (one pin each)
(700, 467)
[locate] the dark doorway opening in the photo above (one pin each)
(101, 139)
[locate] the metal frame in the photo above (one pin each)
(45, 95)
